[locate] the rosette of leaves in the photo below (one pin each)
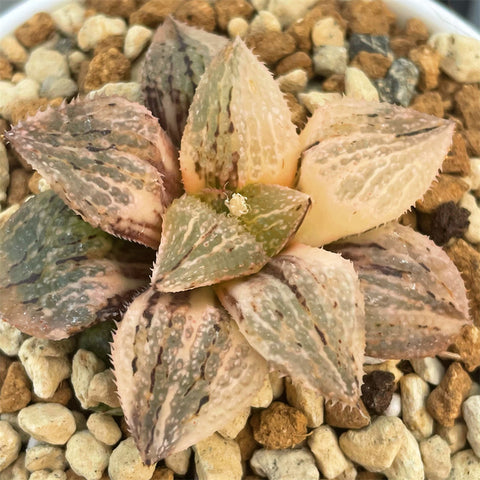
(243, 280)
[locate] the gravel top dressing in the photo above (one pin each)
(238, 240)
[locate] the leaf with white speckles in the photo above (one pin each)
(201, 247)
(415, 300)
(238, 130)
(108, 159)
(304, 313)
(60, 275)
(175, 61)
(182, 369)
(366, 163)
(274, 214)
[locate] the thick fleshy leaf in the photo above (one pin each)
(273, 214)
(415, 300)
(239, 129)
(108, 159)
(175, 61)
(60, 275)
(201, 247)
(304, 313)
(365, 164)
(183, 370)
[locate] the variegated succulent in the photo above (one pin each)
(246, 276)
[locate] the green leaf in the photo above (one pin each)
(415, 299)
(304, 314)
(59, 275)
(238, 130)
(108, 159)
(274, 214)
(175, 61)
(201, 247)
(182, 369)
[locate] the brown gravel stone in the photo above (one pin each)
(416, 30)
(113, 41)
(445, 401)
(246, 442)
(62, 395)
(343, 416)
(299, 111)
(472, 138)
(4, 125)
(114, 8)
(24, 108)
(467, 260)
(377, 391)
(153, 12)
(294, 61)
(370, 476)
(301, 30)
(279, 426)
(228, 9)
(4, 364)
(162, 473)
(467, 101)
(401, 45)
(15, 393)
(108, 66)
(467, 345)
(33, 183)
(6, 69)
(374, 65)
(334, 83)
(35, 30)
(71, 475)
(444, 189)
(447, 221)
(430, 103)
(197, 13)
(447, 89)
(18, 188)
(368, 16)
(457, 160)
(270, 47)
(428, 62)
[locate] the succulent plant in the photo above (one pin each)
(246, 276)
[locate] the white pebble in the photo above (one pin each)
(237, 27)
(46, 364)
(179, 462)
(4, 181)
(327, 31)
(469, 202)
(277, 382)
(323, 443)
(259, 5)
(53, 87)
(10, 337)
(45, 457)
(102, 389)
(13, 50)
(126, 464)
(474, 177)
(330, 59)
(297, 464)
(12, 419)
(394, 409)
(309, 402)
(314, 99)
(10, 444)
(75, 60)
(455, 436)
(414, 392)
(47, 422)
(233, 428)
(217, 458)
(430, 369)
(69, 18)
(471, 415)
(16, 470)
(359, 86)
(98, 27)
(263, 22)
(87, 456)
(44, 62)
(465, 466)
(10, 94)
(460, 56)
(287, 11)
(104, 428)
(48, 475)
(436, 458)
(85, 365)
(264, 396)
(293, 82)
(130, 90)
(136, 40)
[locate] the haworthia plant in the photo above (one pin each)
(175, 61)
(183, 370)
(304, 314)
(239, 129)
(366, 163)
(59, 275)
(109, 161)
(415, 300)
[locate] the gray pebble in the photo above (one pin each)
(399, 84)
(53, 87)
(330, 59)
(360, 42)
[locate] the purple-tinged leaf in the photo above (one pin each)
(108, 159)
(415, 299)
(304, 314)
(238, 130)
(183, 370)
(175, 61)
(60, 275)
(366, 163)
(201, 247)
